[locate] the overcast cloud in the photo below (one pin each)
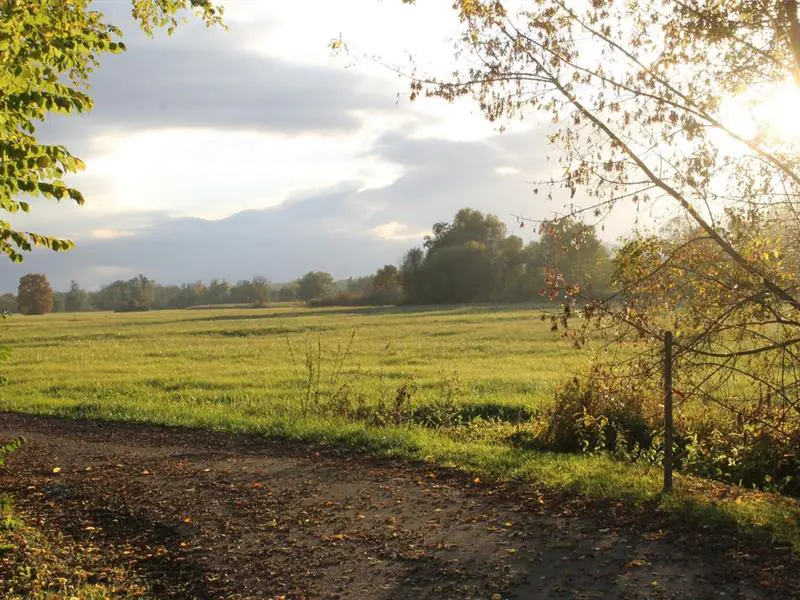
(209, 157)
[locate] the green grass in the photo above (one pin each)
(246, 370)
(241, 360)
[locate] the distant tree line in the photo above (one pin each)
(471, 259)
(474, 259)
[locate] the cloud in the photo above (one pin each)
(507, 171)
(108, 234)
(394, 230)
(215, 173)
(348, 229)
(221, 87)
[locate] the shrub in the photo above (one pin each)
(753, 445)
(758, 449)
(597, 412)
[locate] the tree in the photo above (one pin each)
(59, 302)
(132, 295)
(473, 259)
(359, 285)
(164, 296)
(48, 48)
(570, 252)
(314, 284)
(288, 293)
(218, 291)
(469, 225)
(189, 294)
(386, 286)
(385, 279)
(411, 275)
(76, 298)
(650, 102)
(260, 290)
(34, 295)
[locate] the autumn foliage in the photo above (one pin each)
(34, 295)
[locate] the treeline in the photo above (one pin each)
(474, 259)
(471, 259)
(35, 295)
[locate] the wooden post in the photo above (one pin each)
(668, 432)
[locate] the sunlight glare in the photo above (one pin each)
(769, 116)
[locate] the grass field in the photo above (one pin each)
(335, 375)
(230, 367)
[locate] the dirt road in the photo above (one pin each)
(208, 515)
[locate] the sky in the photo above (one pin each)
(255, 151)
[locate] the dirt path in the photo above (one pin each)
(208, 515)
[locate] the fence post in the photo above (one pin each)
(668, 429)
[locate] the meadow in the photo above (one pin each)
(230, 366)
(456, 386)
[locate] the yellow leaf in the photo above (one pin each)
(56, 469)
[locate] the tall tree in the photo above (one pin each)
(469, 225)
(48, 48)
(34, 295)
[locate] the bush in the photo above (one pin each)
(757, 446)
(760, 449)
(592, 414)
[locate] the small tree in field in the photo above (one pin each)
(314, 284)
(34, 295)
(260, 290)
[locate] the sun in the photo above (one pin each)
(769, 115)
(780, 112)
